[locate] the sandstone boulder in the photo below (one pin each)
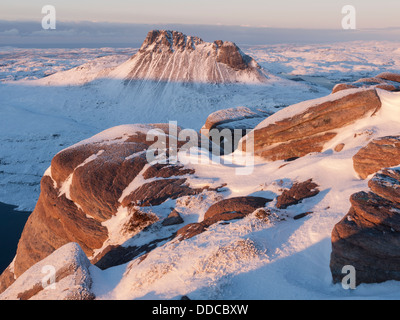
(224, 210)
(297, 193)
(368, 237)
(305, 128)
(64, 275)
(85, 187)
(378, 154)
(389, 76)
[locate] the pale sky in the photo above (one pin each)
(316, 14)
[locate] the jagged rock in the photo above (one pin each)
(172, 56)
(297, 193)
(386, 184)
(305, 128)
(378, 154)
(86, 186)
(368, 237)
(138, 221)
(64, 275)
(225, 210)
(172, 219)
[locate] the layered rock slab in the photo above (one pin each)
(305, 128)
(378, 154)
(171, 56)
(84, 188)
(368, 237)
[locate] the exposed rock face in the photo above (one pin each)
(342, 86)
(172, 56)
(86, 185)
(386, 81)
(297, 193)
(389, 76)
(173, 218)
(233, 118)
(368, 237)
(225, 210)
(67, 270)
(378, 154)
(226, 127)
(307, 130)
(242, 205)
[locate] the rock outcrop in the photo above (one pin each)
(368, 237)
(305, 128)
(64, 275)
(387, 81)
(171, 56)
(224, 210)
(227, 126)
(378, 154)
(298, 192)
(85, 187)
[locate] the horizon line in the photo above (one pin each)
(202, 25)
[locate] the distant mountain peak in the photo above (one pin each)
(172, 56)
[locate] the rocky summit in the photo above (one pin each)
(171, 56)
(367, 238)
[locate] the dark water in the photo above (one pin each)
(11, 225)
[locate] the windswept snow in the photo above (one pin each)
(281, 258)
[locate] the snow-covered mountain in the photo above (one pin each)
(171, 56)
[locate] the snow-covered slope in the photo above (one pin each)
(281, 258)
(172, 56)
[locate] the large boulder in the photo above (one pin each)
(368, 237)
(378, 154)
(87, 185)
(64, 275)
(306, 127)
